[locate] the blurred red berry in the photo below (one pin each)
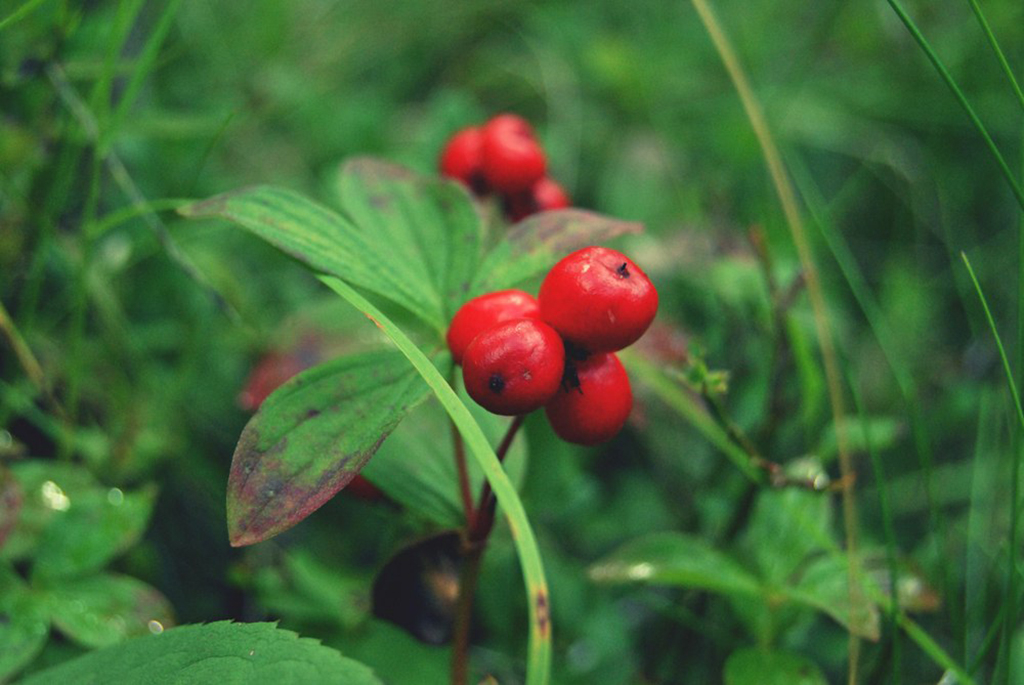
(462, 159)
(513, 160)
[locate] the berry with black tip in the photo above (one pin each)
(514, 367)
(598, 300)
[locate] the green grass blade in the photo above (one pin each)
(145, 62)
(960, 97)
(999, 52)
(1010, 617)
(20, 13)
(787, 199)
(538, 665)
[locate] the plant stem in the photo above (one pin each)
(460, 465)
(474, 542)
(787, 198)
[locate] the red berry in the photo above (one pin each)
(487, 311)
(598, 299)
(515, 367)
(543, 196)
(462, 159)
(595, 402)
(512, 158)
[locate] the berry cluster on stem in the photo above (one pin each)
(504, 156)
(557, 351)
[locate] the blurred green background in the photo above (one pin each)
(146, 327)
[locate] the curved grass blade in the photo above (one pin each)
(1010, 616)
(960, 97)
(538, 665)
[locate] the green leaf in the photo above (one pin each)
(676, 559)
(881, 432)
(48, 488)
(306, 588)
(786, 527)
(103, 610)
(310, 438)
(24, 623)
(533, 245)
(751, 666)
(425, 228)
(97, 526)
(421, 474)
(824, 585)
(224, 653)
(538, 663)
(324, 241)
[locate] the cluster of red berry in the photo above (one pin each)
(504, 156)
(557, 351)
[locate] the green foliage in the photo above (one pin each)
(754, 666)
(220, 652)
(127, 332)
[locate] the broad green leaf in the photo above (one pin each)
(224, 653)
(11, 499)
(106, 609)
(310, 438)
(751, 666)
(97, 526)
(881, 432)
(426, 228)
(533, 245)
(48, 488)
(24, 623)
(676, 559)
(421, 474)
(786, 527)
(324, 241)
(824, 585)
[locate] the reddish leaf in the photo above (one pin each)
(311, 437)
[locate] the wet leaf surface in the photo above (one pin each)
(106, 609)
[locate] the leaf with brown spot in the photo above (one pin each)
(310, 438)
(533, 245)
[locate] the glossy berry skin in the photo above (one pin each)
(515, 367)
(462, 159)
(543, 196)
(487, 311)
(594, 403)
(513, 160)
(598, 299)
